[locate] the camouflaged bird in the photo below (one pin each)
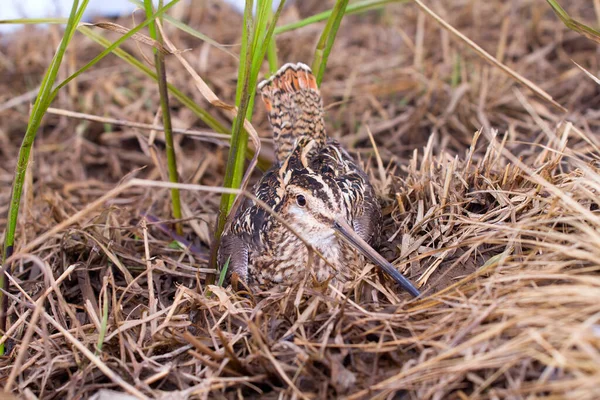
(315, 187)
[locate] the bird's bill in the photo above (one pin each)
(350, 236)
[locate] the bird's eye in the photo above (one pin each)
(301, 200)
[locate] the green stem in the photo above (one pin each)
(272, 50)
(251, 56)
(327, 39)
(354, 8)
(572, 24)
(33, 21)
(159, 61)
(272, 57)
(256, 37)
(204, 116)
(239, 137)
(104, 322)
(40, 106)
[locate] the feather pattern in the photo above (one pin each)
(314, 182)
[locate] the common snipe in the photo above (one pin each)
(317, 189)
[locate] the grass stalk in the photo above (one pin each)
(104, 322)
(256, 36)
(272, 50)
(572, 24)
(354, 8)
(42, 102)
(44, 99)
(33, 21)
(223, 272)
(161, 74)
(239, 137)
(272, 57)
(327, 39)
(201, 113)
(204, 116)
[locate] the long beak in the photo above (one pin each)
(348, 234)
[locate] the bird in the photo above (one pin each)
(317, 197)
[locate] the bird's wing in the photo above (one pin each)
(244, 235)
(233, 253)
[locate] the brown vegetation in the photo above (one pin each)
(490, 196)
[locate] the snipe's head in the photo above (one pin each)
(317, 209)
(310, 205)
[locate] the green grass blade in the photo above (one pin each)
(239, 137)
(147, 6)
(104, 322)
(267, 43)
(255, 39)
(115, 44)
(272, 56)
(327, 39)
(256, 36)
(205, 116)
(262, 19)
(161, 73)
(189, 30)
(33, 21)
(572, 24)
(40, 106)
(223, 272)
(201, 113)
(354, 8)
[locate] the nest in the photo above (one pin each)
(490, 199)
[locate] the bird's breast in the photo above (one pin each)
(287, 260)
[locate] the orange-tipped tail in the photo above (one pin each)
(295, 107)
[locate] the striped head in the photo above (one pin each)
(313, 201)
(310, 201)
(295, 107)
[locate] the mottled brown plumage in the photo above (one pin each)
(295, 108)
(315, 186)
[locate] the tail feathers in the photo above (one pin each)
(295, 107)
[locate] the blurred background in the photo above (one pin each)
(12, 9)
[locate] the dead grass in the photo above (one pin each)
(491, 203)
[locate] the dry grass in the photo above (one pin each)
(491, 203)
